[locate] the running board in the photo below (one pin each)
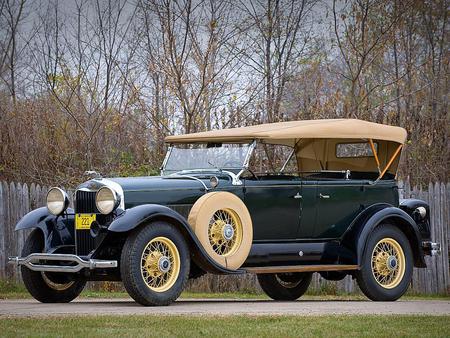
(300, 268)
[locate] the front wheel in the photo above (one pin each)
(155, 264)
(387, 264)
(285, 286)
(47, 287)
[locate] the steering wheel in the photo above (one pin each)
(230, 163)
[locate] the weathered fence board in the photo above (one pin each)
(17, 199)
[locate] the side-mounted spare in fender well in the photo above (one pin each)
(140, 215)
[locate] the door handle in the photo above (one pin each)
(298, 196)
(324, 196)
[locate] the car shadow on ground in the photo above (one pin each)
(181, 302)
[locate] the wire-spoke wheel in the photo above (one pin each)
(225, 232)
(48, 287)
(387, 264)
(160, 264)
(61, 286)
(155, 264)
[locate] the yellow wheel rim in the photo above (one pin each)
(56, 286)
(225, 232)
(388, 263)
(53, 285)
(160, 264)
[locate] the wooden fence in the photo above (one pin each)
(18, 199)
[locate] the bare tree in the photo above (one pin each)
(362, 33)
(84, 63)
(99, 84)
(194, 48)
(11, 14)
(280, 35)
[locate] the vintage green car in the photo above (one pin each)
(332, 207)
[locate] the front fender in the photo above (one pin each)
(140, 215)
(399, 218)
(57, 230)
(134, 217)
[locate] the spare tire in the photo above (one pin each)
(223, 225)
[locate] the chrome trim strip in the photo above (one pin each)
(32, 260)
(162, 189)
(176, 176)
(274, 186)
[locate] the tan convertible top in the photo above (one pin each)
(288, 133)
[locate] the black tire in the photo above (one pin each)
(130, 264)
(47, 287)
(366, 276)
(285, 286)
(333, 275)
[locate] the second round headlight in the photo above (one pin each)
(106, 200)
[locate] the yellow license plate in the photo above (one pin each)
(84, 221)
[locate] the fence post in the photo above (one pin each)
(3, 257)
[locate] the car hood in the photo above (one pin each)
(164, 190)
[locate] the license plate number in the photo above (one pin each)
(84, 221)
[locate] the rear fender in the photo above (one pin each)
(357, 235)
(410, 207)
(143, 214)
(57, 230)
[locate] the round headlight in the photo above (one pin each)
(57, 201)
(106, 200)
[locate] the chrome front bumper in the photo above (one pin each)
(33, 262)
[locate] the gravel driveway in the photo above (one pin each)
(224, 307)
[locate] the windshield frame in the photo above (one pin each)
(245, 164)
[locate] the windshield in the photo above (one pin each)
(206, 157)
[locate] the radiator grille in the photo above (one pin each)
(85, 242)
(85, 202)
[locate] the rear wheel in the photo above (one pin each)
(155, 264)
(47, 287)
(285, 286)
(387, 264)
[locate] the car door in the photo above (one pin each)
(308, 209)
(338, 203)
(274, 205)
